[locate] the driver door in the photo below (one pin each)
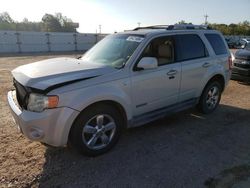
(157, 88)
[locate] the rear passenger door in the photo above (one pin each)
(193, 56)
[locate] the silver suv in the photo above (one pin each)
(126, 80)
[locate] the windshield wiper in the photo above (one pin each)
(124, 63)
(121, 66)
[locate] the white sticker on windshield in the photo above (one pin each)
(135, 39)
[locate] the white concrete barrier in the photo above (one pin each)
(24, 41)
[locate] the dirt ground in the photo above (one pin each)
(187, 149)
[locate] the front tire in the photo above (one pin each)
(210, 97)
(96, 130)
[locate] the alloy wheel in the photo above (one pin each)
(212, 97)
(98, 131)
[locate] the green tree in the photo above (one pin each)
(6, 22)
(66, 23)
(58, 23)
(183, 22)
(51, 23)
(5, 18)
(242, 28)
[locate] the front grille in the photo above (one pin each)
(244, 72)
(247, 66)
(21, 94)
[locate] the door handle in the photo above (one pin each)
(205, 65)
(172, 72)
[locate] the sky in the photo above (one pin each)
(119, 15)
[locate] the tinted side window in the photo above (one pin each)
(189, 46)
(217, 43)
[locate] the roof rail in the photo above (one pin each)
(174, 27)
(152, 27)
(187, 26)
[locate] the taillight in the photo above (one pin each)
(230, 62)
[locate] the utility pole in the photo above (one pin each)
(96, 38)
(206, 16)
(18, 41)
(100, 29)
(139, 24)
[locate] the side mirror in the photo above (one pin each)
(147, 63)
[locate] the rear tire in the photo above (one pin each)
(210, 97)
(96, 130)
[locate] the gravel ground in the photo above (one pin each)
(187, 149)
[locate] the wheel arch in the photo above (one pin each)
(120, 108)
(200, 102)
(112, 103)
(219, 78)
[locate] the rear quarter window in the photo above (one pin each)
(189, 46)
(217, 43)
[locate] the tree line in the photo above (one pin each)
(60, 23)
(242, 28)
(49, 23)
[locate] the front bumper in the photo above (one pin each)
(240, 74)
(51, 126)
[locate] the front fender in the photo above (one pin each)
(81, 98)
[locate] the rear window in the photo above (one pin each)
(189, 46)
(217, 43)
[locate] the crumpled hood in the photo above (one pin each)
(47, 73)
(242, 54)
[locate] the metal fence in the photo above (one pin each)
(26, 42)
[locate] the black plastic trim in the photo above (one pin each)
(162, 112)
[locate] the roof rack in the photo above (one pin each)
(152, 27)
(174, 27)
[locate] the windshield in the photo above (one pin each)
(114, 50)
